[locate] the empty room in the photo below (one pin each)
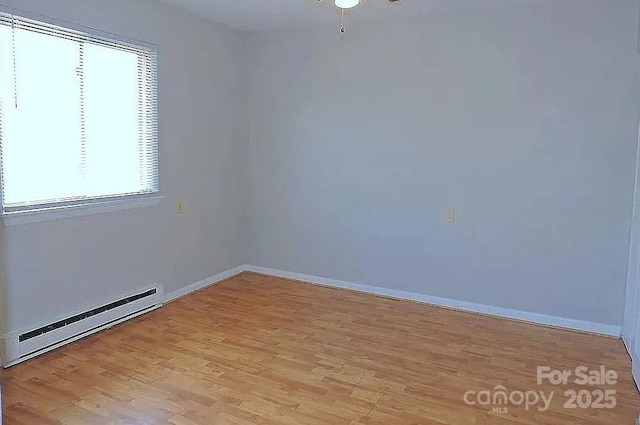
(319, 212)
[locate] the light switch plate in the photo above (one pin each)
(449, 215)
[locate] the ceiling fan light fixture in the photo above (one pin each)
(347, 4)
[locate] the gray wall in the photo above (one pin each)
(524, 117)
(336, 159)
(57, 267)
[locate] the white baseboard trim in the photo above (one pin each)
(540, 319)
(635, 361)
(204, 283)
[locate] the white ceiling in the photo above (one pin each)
(257, 15)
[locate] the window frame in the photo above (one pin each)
(78, 207)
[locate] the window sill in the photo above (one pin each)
(61, 213)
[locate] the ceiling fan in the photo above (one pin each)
(350, 4)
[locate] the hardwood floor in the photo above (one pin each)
(263, 350)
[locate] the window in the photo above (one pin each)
(78, 117)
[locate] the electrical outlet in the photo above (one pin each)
(180, 207)
(449, 215)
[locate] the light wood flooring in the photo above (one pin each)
(263, 350)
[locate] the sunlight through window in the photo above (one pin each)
(78, 120)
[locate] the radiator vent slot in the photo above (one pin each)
(28, 343)
(65, 322)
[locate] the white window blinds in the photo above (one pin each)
(78, 117)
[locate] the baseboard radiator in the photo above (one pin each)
(24, 345)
